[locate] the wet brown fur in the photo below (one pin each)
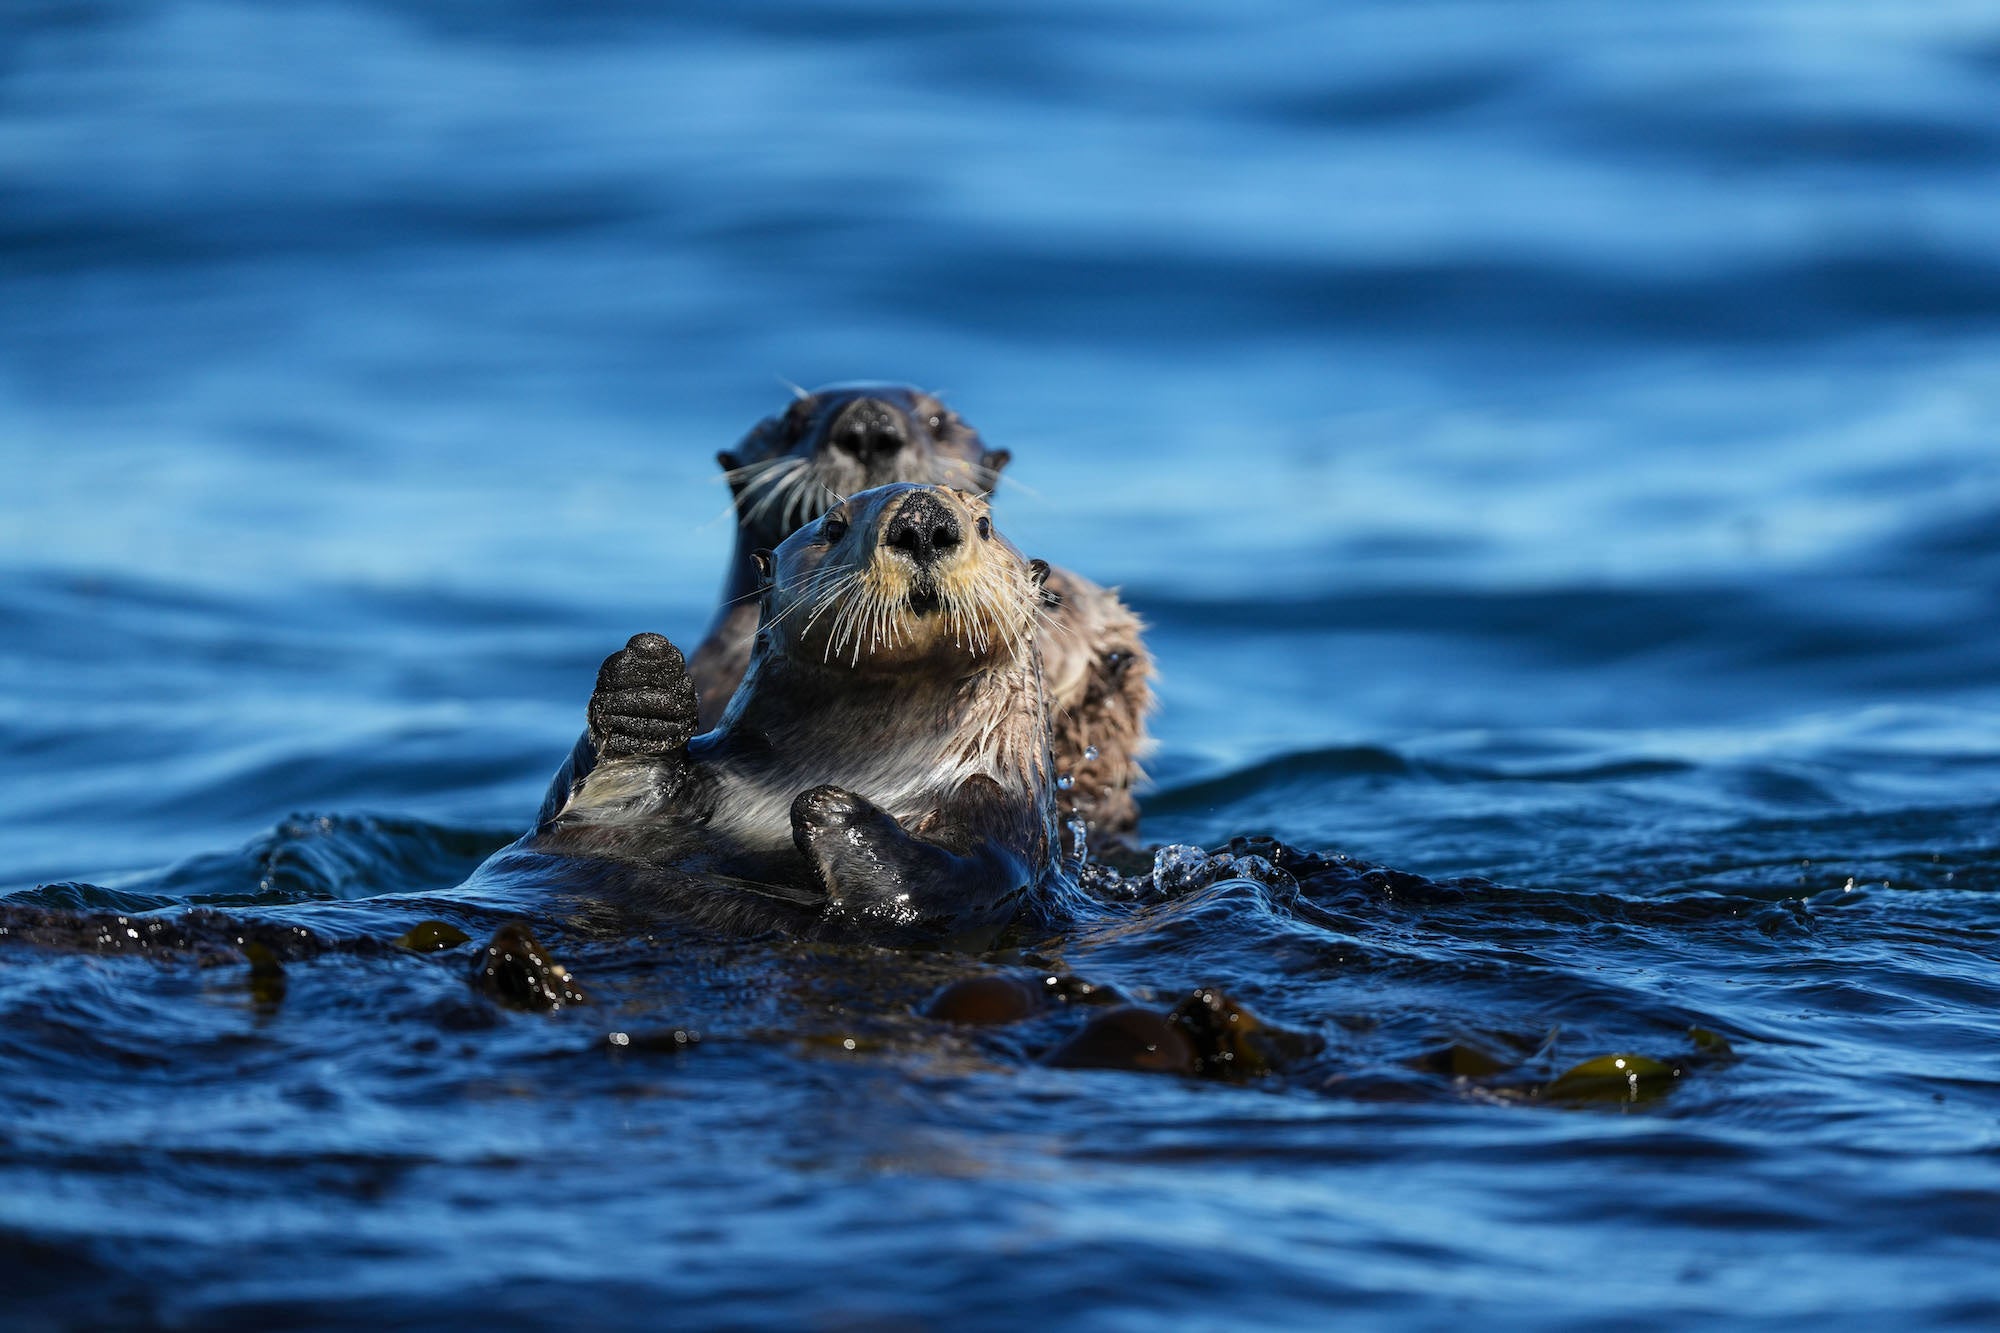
(884, 763)
(1096, 668)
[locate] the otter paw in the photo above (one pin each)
(830, 823)
(888, 886)
(860, 852)
(644, 703)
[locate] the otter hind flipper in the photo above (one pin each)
(884, 882)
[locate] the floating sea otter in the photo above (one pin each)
(794, 466)
(883, 770)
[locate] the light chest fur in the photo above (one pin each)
(905, 742)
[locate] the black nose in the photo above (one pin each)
(869, 428)
(924, 529)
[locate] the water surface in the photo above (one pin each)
(1549, 445)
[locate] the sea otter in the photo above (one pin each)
(883, 769)
(840, 440)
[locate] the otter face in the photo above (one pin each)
(844, 439)
(897, 575)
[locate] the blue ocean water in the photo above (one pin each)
(1551, 443)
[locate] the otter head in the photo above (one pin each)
(899, 575)
(843, 439)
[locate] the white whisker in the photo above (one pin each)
(773, 485)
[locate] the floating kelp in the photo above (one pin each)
(1482, 1054)
(431, 937)
(1230, 1042)
(1620, 1078)
(1009, 1004)
(267, 975)
(1712, 1045)
(982, 1001)
(994, 999)
(660, 1041)
(1206, 1035)
(1128, 1037)
(514, 970)
(1462, 1059)
(200, 935)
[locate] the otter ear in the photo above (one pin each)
(731, 465)
(994, 460)
(1039, 571)
(766, 560)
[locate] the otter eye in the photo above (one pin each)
(832, 528)
(985, 526)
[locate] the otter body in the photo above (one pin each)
(794, 466)
(883, 769)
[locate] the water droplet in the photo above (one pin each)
(1079, 838)
(1065, 783)
(1089, 753)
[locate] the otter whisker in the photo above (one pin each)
(773, 489)
(802, 508)
(790, 493)
(727, 511)
(843, 624)
(782, 500)
(827, 579)
(758, 484)
(773, 485)
(960, 606)
(831, 596)
(802, 501)
(811, 506)
(868, 607)
(847, 625)
(1013, 484)
(886, 616)
(811, 583)
(734, 474)
(825, 582)
(854, 628)
(753, 477)
(1053, 625)
(954, 616)
(864, 607)
(877, 626)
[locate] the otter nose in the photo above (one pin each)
(924, 529)
(869, 428)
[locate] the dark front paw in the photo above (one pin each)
(837, 831)
(885, 885)
(644, 703)
(858, 849)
